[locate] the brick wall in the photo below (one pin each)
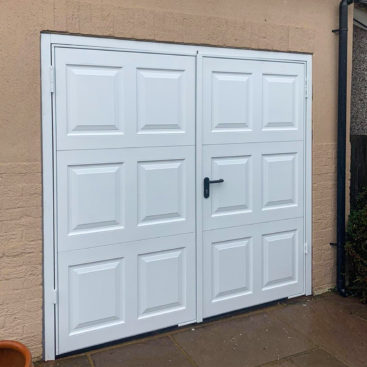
(21, 254)
(324, 216)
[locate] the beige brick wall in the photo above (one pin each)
(324, 216)
(21, 253)
(283, 25)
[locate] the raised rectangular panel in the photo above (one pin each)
(96, 295)
(166, 281)
(163, 185)
(233, 196)
(91, 198)
(280, 102)
(165, 100)
(231, 107)
(231, 268)
(230, 100)
(95, 197)
(161, 282)
(233, 202)
(230, 279)
(94, 100)
(160, 101)
(279, 187)
(280, 259)
(94, 302)
(92, 103)
(161, 192)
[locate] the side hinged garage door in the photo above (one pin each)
(125, 194)
(179, 186)
(253, 116)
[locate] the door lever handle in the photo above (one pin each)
(207, 183)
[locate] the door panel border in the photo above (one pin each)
(49, 42)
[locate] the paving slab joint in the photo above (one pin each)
(183, 351)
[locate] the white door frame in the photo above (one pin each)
(48, 43)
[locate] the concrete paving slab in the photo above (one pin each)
(156, 352)
(242, 342)
(326, 321)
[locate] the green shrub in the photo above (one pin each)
(356, 247)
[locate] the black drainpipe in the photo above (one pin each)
(341, 153)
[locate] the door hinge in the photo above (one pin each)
(52, 79)
(306, 90)
(306, 248)
(54, 296)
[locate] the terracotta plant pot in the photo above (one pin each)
(14, 354)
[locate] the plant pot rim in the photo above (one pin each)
(19, 347)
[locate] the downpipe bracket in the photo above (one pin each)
(340, 30)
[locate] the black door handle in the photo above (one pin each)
(207, 183)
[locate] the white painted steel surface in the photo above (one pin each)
(125, 127)
(137, 126)
(253, 122)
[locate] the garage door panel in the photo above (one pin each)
(116, 291)
(109, 99)
(92, 200)
(165, 191)
(94, 99)
(99, 284)
(165, 100)
(229, 282)
(238, 171)
(279, 247)
(262, 182)
(279, 180)
(279, 102)
(120, 195)
(282, 181)
(232, 108)
(92, 187)
(159, 180)
(91, 106)
(229, 110)
(161, 282)
(231, 262)
(93, 297)
(166, 282)
(282, 247)
(253, 264)
(232, 201)
(252, 101)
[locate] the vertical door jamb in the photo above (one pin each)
(199, 184)
(308, 176)
(49, 285)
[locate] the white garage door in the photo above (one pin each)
(125, 194)
(253, 131)
(135, 134)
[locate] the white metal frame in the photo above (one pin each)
(48, 43)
